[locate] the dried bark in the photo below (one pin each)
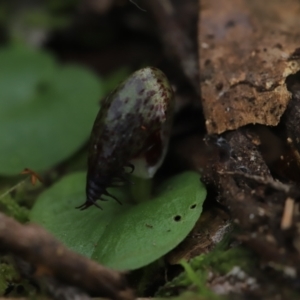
(247, 49)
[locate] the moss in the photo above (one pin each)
(12, 281)
(220, 261)
(16, 196)
(10, 207)
(194, 296)
(7, 274)
(240, 256)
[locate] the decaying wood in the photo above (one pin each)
(277, 185)
(256, 204)
(292, 115)
(246, 49)
(52, 259)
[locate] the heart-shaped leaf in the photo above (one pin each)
(46, 111)
(127, 236)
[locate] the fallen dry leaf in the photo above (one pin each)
(208, 231)
(246, 50)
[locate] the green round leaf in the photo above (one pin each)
(46, 111)
(127, 236)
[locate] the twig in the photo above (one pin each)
(13, 188)
(134, 3)
(287, 217)
(36, 246)
(267, 181)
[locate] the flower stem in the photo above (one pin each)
(141, 189)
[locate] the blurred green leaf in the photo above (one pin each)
(58, 5)
(115, 78)
(127, 236)
(43, 19)
(46, 111)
